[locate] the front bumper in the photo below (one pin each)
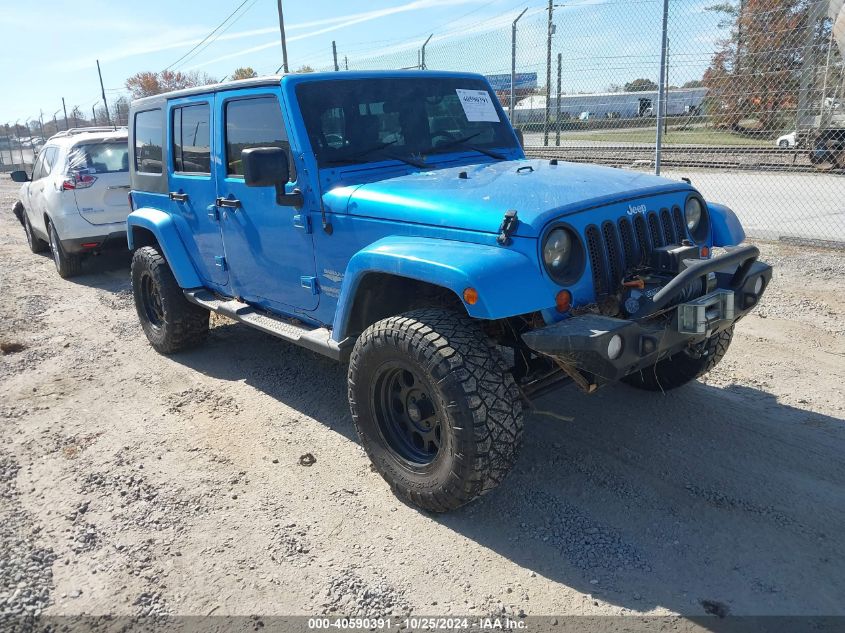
(586, 342)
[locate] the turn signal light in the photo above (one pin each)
(705, 252)
(471, 296)
(563, 301)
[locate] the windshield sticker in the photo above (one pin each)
(477, 105)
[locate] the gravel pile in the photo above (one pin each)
(587, 545)
(349, 594)
(26, 570)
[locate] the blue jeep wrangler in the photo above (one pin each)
(392, 221)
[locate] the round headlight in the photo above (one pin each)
(557, 251)
(693, 213)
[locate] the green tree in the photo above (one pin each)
(244, 72)
(304, 69)
(146, 83)
(640, 85)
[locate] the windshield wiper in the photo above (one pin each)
(349, 160)
(461, 144)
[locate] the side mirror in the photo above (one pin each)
(19, 176)
(269, 167)
(519, 136)
(265, 166)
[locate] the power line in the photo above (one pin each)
(217, 28)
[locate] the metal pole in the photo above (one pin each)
(513, 61)
(64, 109)
(20, 145)
(661, 88)
(41, 123)
(557, 103)
(548, 75)
(284, 42)
(93, 116)
(346, 62)
(334, 55)
(814, 14)
(666, 118)
(422, 53)
(824, 84)
(103, 92)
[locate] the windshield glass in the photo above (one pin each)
(362, 121)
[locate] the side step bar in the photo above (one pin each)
(316, 339)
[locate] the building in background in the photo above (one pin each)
(610, 105)
(524, 84)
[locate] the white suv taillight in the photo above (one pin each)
(76, 180)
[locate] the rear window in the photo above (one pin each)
(111, 157)
(148, 135)
(192, 139)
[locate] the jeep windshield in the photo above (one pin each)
(407, 119)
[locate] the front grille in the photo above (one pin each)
(615, 249)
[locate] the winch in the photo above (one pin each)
(665, 262)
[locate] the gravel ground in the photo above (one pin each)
(137, 484)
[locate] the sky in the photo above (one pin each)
(50, 47)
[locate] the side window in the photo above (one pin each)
(148, 133)
(252, 123)
(49, 160)
(38, 167)
(192, 139)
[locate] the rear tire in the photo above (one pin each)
(66, 265)
(437, 412)
(169, 320)
(36, 244)
(683, 367)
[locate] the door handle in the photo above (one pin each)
(229, 203)
(179, 197)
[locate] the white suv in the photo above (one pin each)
(77, 198)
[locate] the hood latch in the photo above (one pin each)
(509, 224)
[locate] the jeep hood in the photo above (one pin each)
(476, 197)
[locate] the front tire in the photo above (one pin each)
(437, 412)
(170, 321)
(684, 366)
(67, 265)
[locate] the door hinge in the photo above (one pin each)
(302, 221)
(310, 283)
(220, 262)
(213, 212)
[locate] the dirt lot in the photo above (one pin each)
(131, 483)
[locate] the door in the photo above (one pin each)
(269, 247)
(100, 173)
(192, 185)
(37, 202)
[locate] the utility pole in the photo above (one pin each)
(346, 62)
(64, 108)
(103, 92)
(557, 107)
(513, 62)
(548, 74)
(334, 56)
(661, 89)
(284, 42)
(93, 115)
(422, 53)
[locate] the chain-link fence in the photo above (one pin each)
(750, 105)
(753, 89)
